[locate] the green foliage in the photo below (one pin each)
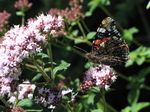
(61, 63)
(136, 108)
(139, 56)
(90, 35)
(97, 110)
(128, 34)
(20, 13)
(93, 4)
(148, 5)
(30, 106)
(63, 66)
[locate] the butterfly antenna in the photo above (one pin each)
(80, 49)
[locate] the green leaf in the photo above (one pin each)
(76, 84)
(74, 23)
(35, 78)
(148, 5)
(129, 62)
(61, 77)
(139, 55)
(96, 89)
(26, 103)
(88, 65)
(105, 2)
(29, 105)
(91, 35)
(93, 5)
(79, 107)
(97, 110)
(97, 98)
(88, 13)
(140, 60)
(20, 13)
(42, 55)
(128, 34)
(75, 32)
(126, 109)
(133, 96)
(63, 66)
(90, 99)
(139, 106)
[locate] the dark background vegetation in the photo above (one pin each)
(127, 13)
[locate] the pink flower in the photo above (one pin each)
(23, 91)
(21, 42)
(3, 21)
(101, 76)
(48, 25)
(70, 14)
(22, 4)
(49, 97)
(52, 97)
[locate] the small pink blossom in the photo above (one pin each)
(101, 76)
(52, 97)
(25, 90)
(3, 19)
(22, 4)
(70, 14)
(49, 97)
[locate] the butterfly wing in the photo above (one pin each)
(108, 48)
(111, 52)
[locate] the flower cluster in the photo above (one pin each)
(51, 97)
(4, 17)
(70, 14)
(22, 4)
(23, 91)
(101, 76)
(21, 42)
(47, 25)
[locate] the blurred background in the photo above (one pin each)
(133, 22)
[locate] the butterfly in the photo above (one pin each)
(108, 47)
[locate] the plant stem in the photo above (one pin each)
(137, 43)
(49, 51)
(23, 20)
(103, 99)
(83, 33)
(46, 77)
(85, 26)
(146, 87)
(69, 107)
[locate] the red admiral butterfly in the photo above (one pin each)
(108, 47)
